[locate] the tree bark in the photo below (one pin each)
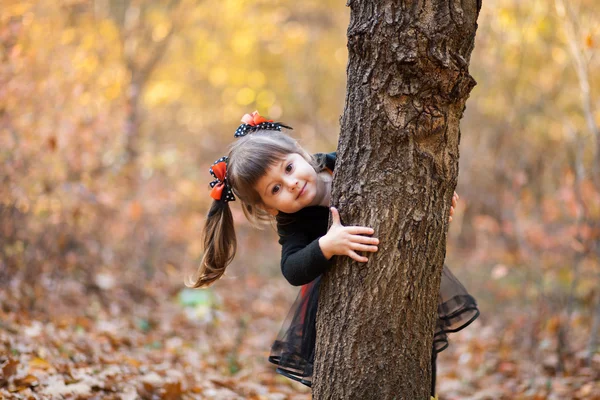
(396, 171)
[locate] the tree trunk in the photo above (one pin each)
(396, 170)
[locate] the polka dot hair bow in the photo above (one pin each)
(220, 187)
(254, 122)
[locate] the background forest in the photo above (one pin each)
(111, 113)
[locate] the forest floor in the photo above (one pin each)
(213, 344)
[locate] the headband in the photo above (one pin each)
(254, 122)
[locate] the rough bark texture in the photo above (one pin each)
(397, 167)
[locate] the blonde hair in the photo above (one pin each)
(249, 159)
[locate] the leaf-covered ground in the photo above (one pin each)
(213, 345)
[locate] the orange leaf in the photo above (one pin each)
(52, 143)
(135, 210)
(39, 363)
(589, 41)
(26, 381)
(133, 362)
(9, 368)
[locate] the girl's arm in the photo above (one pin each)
(305, 255)
(301, 257)
(302, 260)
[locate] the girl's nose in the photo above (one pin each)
(292, 183)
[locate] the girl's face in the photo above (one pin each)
(288, 186)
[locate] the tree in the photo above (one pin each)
(408, 83)
(138, 32)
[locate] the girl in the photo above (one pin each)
(275, 178)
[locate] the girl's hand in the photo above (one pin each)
(347, 240)
(454, 200)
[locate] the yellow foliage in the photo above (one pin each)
(16, 8)
(68, 36)
(242, 43)
(107, 30)
(160, 31)
(237, 76)
(506, 18)
(162, 92)
(245, 96)
(559, 55)
(341, 55)
(256, 79)
(218, 76)
(112, 91)
(296, 34)
(265, 99)
(88, 41)
(86, 64)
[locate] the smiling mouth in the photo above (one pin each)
(302, 191)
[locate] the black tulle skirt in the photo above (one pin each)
(294, 349)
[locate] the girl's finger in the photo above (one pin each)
(335, 216)
(364, 239)
(363, 247)
(360, 230)
(356, 257)
(449, 219)
(451, 210)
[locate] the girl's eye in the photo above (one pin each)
(288, 168)
(275, 189)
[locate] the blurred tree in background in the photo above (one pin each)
(112, 111)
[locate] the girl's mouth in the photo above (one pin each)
(301, 191)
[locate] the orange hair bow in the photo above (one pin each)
(254, 119)
(220, 186)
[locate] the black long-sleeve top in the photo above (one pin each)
(301, 257)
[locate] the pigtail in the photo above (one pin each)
(218, 236)
(219, 245)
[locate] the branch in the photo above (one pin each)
(583, 75)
